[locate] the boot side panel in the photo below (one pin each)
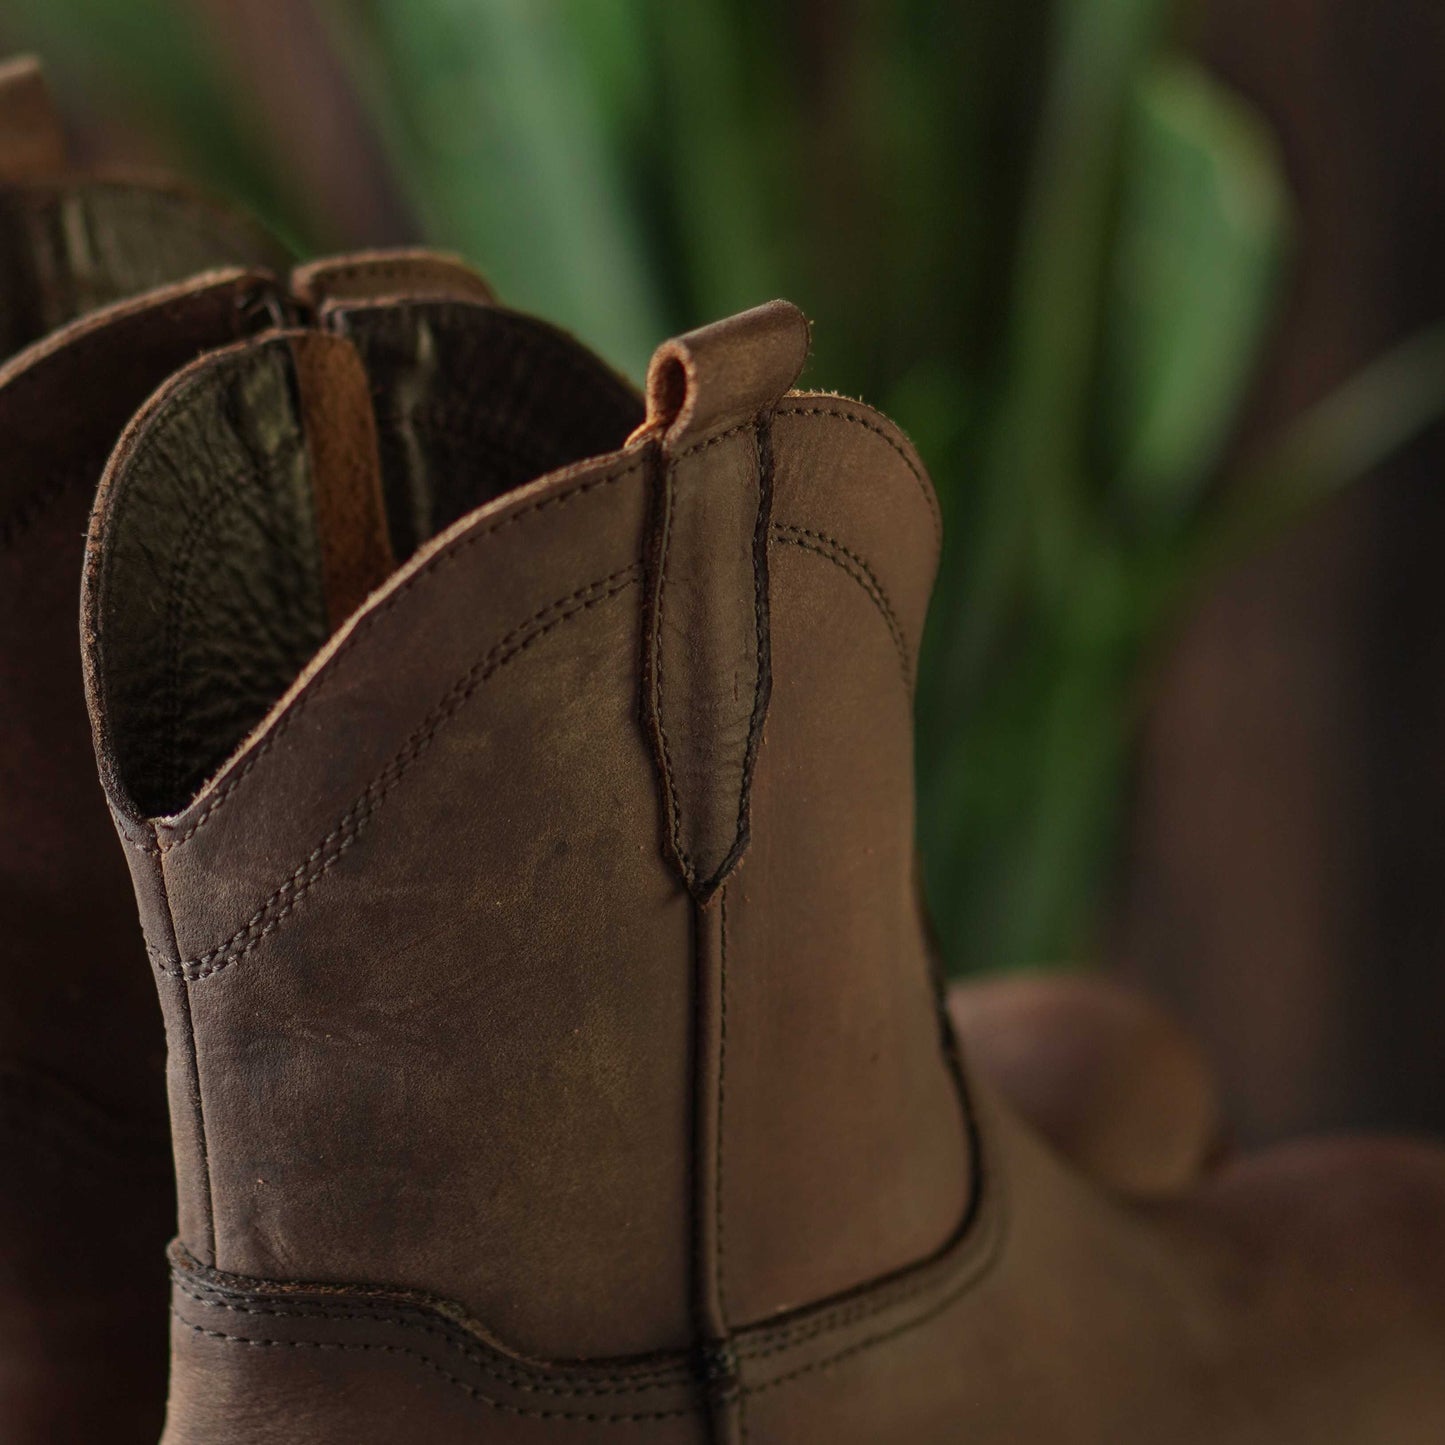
(463, 917)
(255, 1363)
(460, 1061)
(842, 1152)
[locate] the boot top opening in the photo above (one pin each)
(236, 511)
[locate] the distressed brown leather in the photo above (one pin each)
(492, 1123)
(435, 989)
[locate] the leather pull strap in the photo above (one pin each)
(707, 662)
(32, 139)
(340, 431)
(368, 276)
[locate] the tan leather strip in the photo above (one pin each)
(340, 430)
(32, 140)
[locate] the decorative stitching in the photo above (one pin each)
(421, 267)
(353, 822)
(941, 1306)
(590, 1417)
(447, 558)
(659, 650)
(916, 1279)
(930, 497)
(823, 545)
(763, 678)
(364, 624)
(517, 1376)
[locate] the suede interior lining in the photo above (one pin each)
(213, 598)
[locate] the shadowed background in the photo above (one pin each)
(1155, 288)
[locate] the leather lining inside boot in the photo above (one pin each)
(214, 594)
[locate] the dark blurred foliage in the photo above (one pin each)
(1053, 239)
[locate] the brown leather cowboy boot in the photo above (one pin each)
(87, 1202)
(555, 1049)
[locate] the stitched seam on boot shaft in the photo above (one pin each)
(722, 1073)
(925, 487)
(407, 1308)
(761, 427)
(590, 1417)
(444, 559)
(353, 822)
(667, 484)
(820, 544)
(563, 1381)
(975, 1271)
(665, 481)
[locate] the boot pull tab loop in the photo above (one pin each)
(707, 674)
(724, 372)
(32, 139)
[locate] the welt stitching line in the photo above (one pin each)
(534, 1384)
(430, 569)
(822, 545)
(588, 1417)
(353, 822)
(929, 497)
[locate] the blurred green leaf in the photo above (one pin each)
(499, 134)
(1201, 235)
(1340, 439)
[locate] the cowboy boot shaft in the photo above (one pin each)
(543, 961)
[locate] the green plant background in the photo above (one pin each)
(1041, 236)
